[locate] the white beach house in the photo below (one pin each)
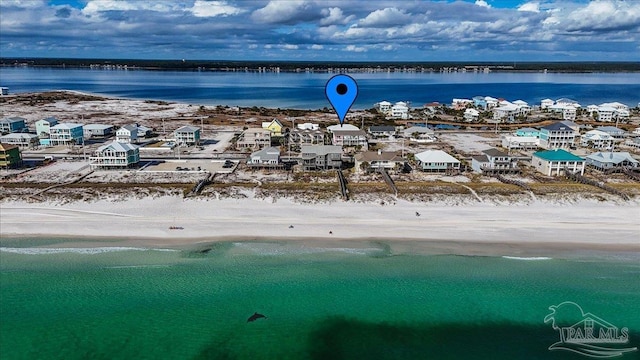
(115, 155)
(557, 162)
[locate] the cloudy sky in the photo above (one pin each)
(346, 30)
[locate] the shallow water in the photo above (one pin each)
(325, 303)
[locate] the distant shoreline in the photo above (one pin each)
(323, 67)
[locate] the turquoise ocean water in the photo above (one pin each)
(364, 302)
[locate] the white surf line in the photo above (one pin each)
(72, 210)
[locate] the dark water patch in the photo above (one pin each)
(342, 338)
(214, 249)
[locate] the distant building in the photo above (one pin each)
(377, 160)
(615, 132)
(611, 160)
(9, 156)
(557, 162)
(597, 139)
(400, 110)
(460, 104)
(321, 157)
(557, 135)
(519, 142)
(43, 129)
(350, 138)
(115, 155)
(267, 157)
(12, 125)
(383, 107)
(471, 115)
(306, 137)
(188, 135)
(349, 127)
(66, 134)
(507, 112)
(528, 132)
(127, 134)
(437, 161)
(254, 138)
(275, 126)
(97, 130)
(382, 131)
(494, 160)
(23, 140)
(546, 103)
(4, 91)
(308, 126)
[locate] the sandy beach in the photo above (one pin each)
(147, 221)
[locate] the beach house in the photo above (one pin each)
(606, 113)
(420, 134)
(528, 132)
(437, 161)
(275, 126)
(382, 130)
(494, 160)
(9, 156)
(400, 110)
(460, 104)
(308, 126)
(383, 107)
(519, 142)
(506, 112)
(43, 129)
(267, 157)
(306, 137)
(321, 157)
(12, 125)
(611, 160)
(557, 135)
(597, 139)
(615, 132)
(187, 135)
(115, 155)
(546, 104)
(557, 162)
(23, 140)
(254, 138)
(127, 134)
(97, 130)
(66, 134)
(471, 115)
(378, 160)
(350, 138)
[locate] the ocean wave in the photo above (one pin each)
(533, 258)
(85, 251)
(279, 249)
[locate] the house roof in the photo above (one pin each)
(472, 112)
(370, 156)
(597, 135)
(495, 153)
(382, 128)
(566, 101)
(349, 133)
(321, 149)
(66, 126)
(117, 146)
(612, 157)
(384, 102)
(521, 103)
(130, 128)
(610, 129)
(19, 136)
(333, 128)
(50, 120)
(430, 156)
(418, 129)
(186, 129)
(527, 129)
(557, 126)
(270, 152)
(7, 147)
(481, 158)
(12, 120)
(97, 127)
(557, 155)
(256, 131)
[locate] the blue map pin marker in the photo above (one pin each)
(341, 91)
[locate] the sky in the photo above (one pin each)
(323, 30)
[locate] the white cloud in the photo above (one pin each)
(280, 11)
(388, 47)
(289, 47)
(603, 15)
(530, 6)
(214, 8)
(334, 16)
(354, 48)
(29, 4)
(482, 3)
(94, 7)
(385, 17)
(316, 47)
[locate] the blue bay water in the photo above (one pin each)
(306, 91)
(361, 303)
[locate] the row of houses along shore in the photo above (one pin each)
(559, 148)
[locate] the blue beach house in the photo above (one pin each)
(43, 129)
(480, 101)
(12, 125)
(66, 134)
(528, 132)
